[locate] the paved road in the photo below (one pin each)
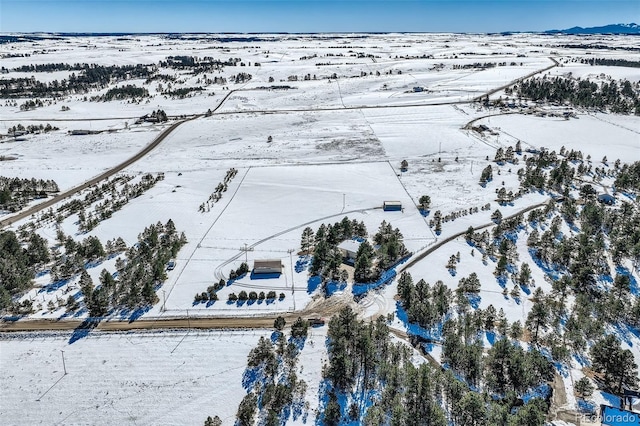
(75, 190)
(518, 80)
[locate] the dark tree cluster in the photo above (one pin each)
(89, 78)
(31, 128)
(18, 262)
(15, 192)
(371, 262)
(618, 96)
(628, 178)
(425, 305)
(124, 92)
(198, 65)
(390, 246)
(610, 62)
(182, 92)
(135, 284)
(374, 381)
(326, 256)
(276, 392)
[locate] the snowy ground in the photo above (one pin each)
(336, 150)
(155, 378)
(151, 378)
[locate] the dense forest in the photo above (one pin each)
(373, 381)
(585, 247)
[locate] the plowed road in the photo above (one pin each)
(145, 324)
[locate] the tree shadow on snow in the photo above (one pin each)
(84, 329)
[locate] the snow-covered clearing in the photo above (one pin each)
(154, 378)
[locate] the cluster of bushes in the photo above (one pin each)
(211, 293)
(243, 296)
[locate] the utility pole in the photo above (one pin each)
(343, 201)
(64, 366)
(292, 286)
(246, 249)
(164, 300)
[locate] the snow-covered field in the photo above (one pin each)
(327, 147)
(155, 378)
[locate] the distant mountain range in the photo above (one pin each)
(606, 29)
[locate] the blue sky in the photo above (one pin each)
(310, 15)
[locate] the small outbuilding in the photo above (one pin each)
(267, 266)
(392, 206)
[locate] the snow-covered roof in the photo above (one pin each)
(350, 245)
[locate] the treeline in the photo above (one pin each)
(50, 67)
(611, 62)
(137, 279)
(90, 77)
(373, 381)
(15, 193)
(182, 92)
(619, 97)
(31, 128)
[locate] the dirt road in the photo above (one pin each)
(145, 324)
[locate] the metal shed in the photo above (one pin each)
(267, 266)
(389, 206)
